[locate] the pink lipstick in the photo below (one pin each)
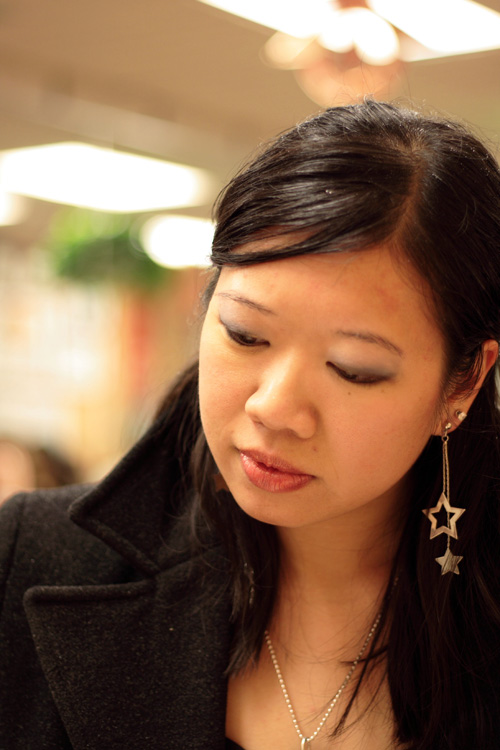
(271, 473)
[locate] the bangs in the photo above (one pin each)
(315, 240)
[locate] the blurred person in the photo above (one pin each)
(303, 551)
(25, 467)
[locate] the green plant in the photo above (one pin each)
(94, 247)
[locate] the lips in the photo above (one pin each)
(272, 473)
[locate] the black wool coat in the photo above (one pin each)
(104, 639)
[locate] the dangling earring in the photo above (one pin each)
(448, 561)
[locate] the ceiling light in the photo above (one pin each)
(295, 18)
(13, 209)
(338, 35)
(373, 38)
(287, 52)
(79, 174)
(446, 26)
(178, 241)
(441, 27)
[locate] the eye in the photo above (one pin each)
(241, 337)
(356, 377)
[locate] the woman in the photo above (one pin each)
(305, 555)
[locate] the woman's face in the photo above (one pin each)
(320, 384)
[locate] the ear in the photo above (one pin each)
(458, 403)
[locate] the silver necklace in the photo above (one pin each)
(305, 741)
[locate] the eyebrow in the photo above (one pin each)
(373, 338)
(246, 301)
(367, 336)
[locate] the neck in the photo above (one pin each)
(333, 580)
(330, 559)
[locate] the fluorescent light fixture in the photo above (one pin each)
(178, 241)
(300, 19)
(441, 27)
(13, 209)
(338, 35)
(289, 53)
(373, 38)
(449, 27)
(79, 174)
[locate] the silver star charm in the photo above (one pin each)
(451, 530)
(449, 562)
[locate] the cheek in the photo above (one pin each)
(209, 381)
(411, 436)
(386, 432)
(222, 386)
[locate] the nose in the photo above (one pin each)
(283, 400)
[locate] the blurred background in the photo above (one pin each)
(119, 123)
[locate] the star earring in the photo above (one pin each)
(448, 562)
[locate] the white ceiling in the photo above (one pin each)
(179, 79)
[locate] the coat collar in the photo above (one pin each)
(141, 663)
(135, 665)
(132, 508)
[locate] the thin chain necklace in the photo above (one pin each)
(305, 741)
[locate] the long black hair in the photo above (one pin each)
(355, 177)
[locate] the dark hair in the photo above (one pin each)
(355, 177)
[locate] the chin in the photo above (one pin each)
(275, 510)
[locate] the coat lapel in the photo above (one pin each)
(138, 664)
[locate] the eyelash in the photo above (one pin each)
(356, 379)
(244, 339)
(241, 338)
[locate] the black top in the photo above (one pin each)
(230, 745)
(105, 636)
